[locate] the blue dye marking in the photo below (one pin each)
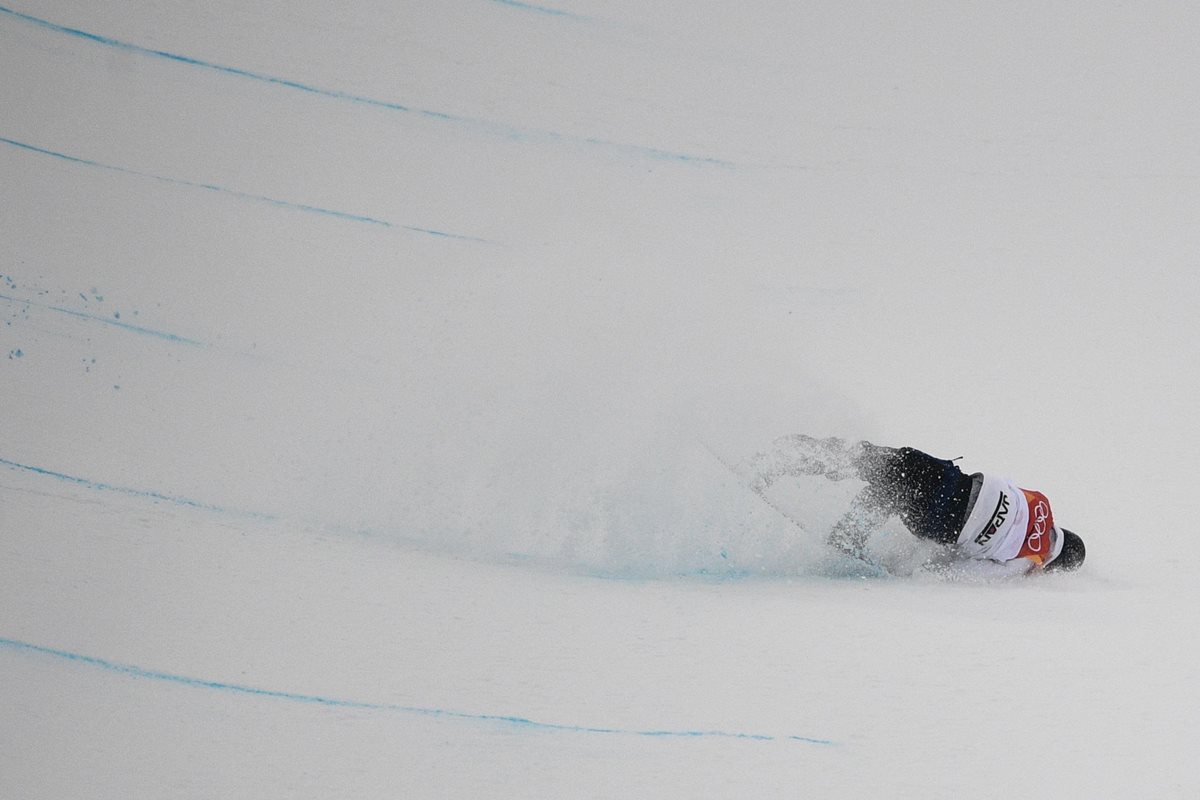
(170, 337)
(236, 688)
(554, 12)
(234, 193)
(141, 493)
(492, 127)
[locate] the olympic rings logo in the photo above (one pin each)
(1041, 512)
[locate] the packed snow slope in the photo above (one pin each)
(371, 377)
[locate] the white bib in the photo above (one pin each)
(1008, 522)
(996, 526)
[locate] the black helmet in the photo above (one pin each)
(1072, 555)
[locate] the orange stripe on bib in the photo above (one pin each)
(1038, 537)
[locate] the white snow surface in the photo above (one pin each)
(367, 372)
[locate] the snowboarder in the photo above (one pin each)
(990, 526)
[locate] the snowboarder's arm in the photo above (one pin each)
(867, 513)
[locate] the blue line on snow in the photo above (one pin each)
(170, 337)
(140, 672)
(107, 487)
(233, 192)
(554, 12)
(493, 127)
